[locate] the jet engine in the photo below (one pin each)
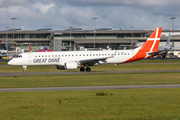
(71, 65)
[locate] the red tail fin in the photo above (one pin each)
(150, 46)
(29, 47)
(152, 43)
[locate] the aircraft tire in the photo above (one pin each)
(88, 69)
(82, 69)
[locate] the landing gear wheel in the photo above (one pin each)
(25, 69)
(88, 69)
(82, 69)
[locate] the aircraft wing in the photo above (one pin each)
(96, 60)
(92, 61)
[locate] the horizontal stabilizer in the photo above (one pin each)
(158, 52)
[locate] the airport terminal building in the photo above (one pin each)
(78, 39)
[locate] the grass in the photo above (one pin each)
(92, 80)
(129, 104)
(89, 80)
(124, 104)
(157, 61)
(123, 67)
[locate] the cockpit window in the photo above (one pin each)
(19, 56)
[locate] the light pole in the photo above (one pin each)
(94, 30)
(7, 37)
(13, 31)
(173, 29)
(132, 36)
(70, 36)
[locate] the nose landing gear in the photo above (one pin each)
(25, 69)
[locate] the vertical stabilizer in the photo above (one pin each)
(168, 40)
(5, 47)
(30, 50)
(150, 46)
(152, 43)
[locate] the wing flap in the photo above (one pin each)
(92, 61)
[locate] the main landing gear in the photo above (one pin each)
(25, 69)
(88, 69)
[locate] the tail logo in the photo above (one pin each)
(151, 45)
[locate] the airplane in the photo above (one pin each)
(165, 48)
(5, 49)
(5, 54)
(71, 60)
(45, 49)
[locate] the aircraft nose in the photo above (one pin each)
(10, 62)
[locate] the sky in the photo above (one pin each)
(61, 14)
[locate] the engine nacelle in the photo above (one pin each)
(60, 67)
(71, 65)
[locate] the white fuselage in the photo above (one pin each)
(60, 58)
